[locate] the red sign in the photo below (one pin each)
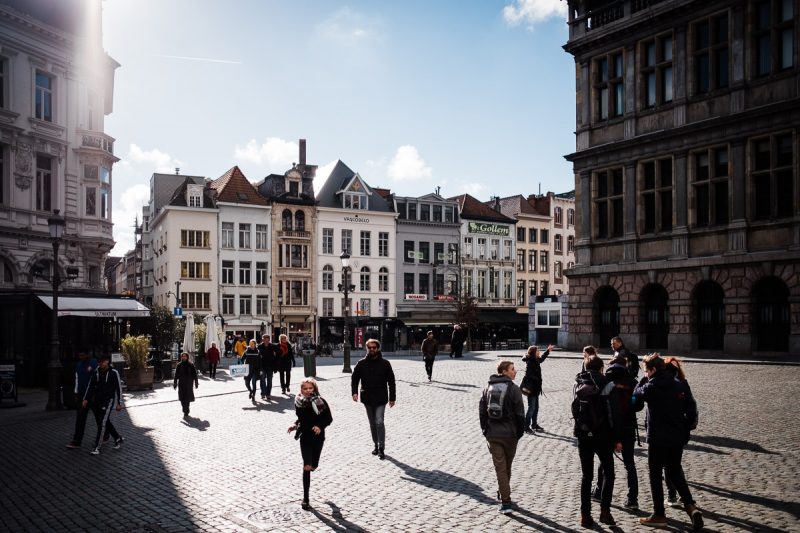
(444, 297)
(416, 296)
(359, 337)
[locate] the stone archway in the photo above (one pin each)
(709, 315)
(606, 315)
(770, 316)
(655, 316)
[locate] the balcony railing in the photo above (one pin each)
(97, 140)
(295, 234)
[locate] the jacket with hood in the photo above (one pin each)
(104, 387)
(611, 422)
(533, 372)
(624, 384)
(512, 425)
(375, 375)
(671, 408)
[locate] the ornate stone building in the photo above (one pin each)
(688, 234)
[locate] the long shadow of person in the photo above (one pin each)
(443, 481)
(728, 442)
(791, 507)
(336, 521)
(535, 522)
(196, 423)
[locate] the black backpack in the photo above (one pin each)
(590, 407)
(496, 400)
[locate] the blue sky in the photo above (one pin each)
(473, 96)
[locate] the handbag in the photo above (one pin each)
(526, 386)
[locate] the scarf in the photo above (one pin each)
(315, 402)
(284, 349)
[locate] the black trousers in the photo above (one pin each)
(185, 405)
(459, 348)
(588, 447)
(102, 414)
(311, 449)
(80, 421)
(429, 366)
(212, 370)
(285, 375)
(628, 441)
(666, 458)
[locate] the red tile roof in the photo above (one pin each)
(473, 208)
(234, 187)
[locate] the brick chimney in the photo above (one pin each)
(302, 152)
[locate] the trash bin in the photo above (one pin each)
(166, 368)
(309, 364)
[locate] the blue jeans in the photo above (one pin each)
(375, 414)
(266, 383)
(533, 411)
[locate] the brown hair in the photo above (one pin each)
(653, 361)
(675, 363)
(594, 363)
(502, 366)
(590, 350)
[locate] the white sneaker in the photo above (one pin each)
(118, 443)
(96, 451)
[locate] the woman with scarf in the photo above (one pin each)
(185, 377)
(313, 416)
(285, 362)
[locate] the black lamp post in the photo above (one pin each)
(346, 288)
(56, 225)
(280, 315)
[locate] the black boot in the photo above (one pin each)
(375, 450)
(381, 455)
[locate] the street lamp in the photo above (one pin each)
(346, 288)
(280, 315)
(56, 225)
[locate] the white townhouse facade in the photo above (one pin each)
(184, 242)
(354, 217)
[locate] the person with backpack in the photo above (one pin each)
(674, 367)
(597, 427)
(671, 415)
(429, 350)
(632, 360)
(532, 386)
(618, 374)
(502, 417)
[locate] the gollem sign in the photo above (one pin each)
(489, 229)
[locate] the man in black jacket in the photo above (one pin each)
(457, 341)
(266, 350)
(620, 350)
(375, 374)
(105, 394)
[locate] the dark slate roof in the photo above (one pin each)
(273, 187)
(515, 205)
(473, 209)
(339, 178)
(569, 195)
(234, 187)
(179, 197)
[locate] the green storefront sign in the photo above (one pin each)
(489, 229)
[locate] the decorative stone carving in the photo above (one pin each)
(23, 165)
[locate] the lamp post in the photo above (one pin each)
(280, 315)
(346, 288)
(56, 225)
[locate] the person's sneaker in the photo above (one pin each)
(119, 441)
(96, 451)
(606, 518)
(672, 501)
(654, 521)
(305, 505)
(381, 455)
(696, 516)
(538, 428)
(631, 504)
(506, 508)
(587, 520)
(73, 445)
(529, 431)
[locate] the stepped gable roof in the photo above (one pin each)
(512, 206)
(342, 178)
(234, 187)
(472, 208)
(179, 196)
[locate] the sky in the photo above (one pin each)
(474, 96)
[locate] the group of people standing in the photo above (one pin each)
(266, 359)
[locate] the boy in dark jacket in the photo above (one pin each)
(84, 369)
(375, 374)
(104, 394)
(505, 428)
(429, 350)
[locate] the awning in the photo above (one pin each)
(97, 307)
(425, 322)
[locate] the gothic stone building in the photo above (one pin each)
(688, 233)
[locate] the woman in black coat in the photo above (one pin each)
(532, 386)
(285, 361)
(185, 375)
(313, 416)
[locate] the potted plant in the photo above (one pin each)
(135, 350)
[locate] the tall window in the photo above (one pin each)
(425, 212)
(570, 217)
(520, 234)
(608, 203)
(468, 282)
(383, 279)
(570, 244)
(245, 304)
(532, 289)
(543, 261)
(262, 305)
(437, 213)
(408, 283)
(364, 283)
(262, 237)
(383, 307)
(774, 35)
(286, 220)
(468, 247)
(558, 216)
(531, 260)
(711, 54)
(710, 182)
(262, 272)
(438, 253)
(507, 249)
(104, 211)
(609, 86)
(347, 241)
(544, 286)
(557, 270)
(520, 292)
(227, 272)
(383, 244)
(91, 198)
(244, 236)
(327, 278)
(366, 245)
(44, 96)
(772, 177)
(424, 284)
(520, 260)
(3, 81)
(227, 234)
(544, 236)
(227, 304)
(495, 249)
(327, 240)
(425, 252)
(299, 221)
(481, 247)
(327, 307)
(656, 195)
(44, 183)
(656, 71)
(244, 272)
(558, 243)
(364, 307)
(408, 252)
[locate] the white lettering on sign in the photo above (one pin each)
(359, 220)
(490, 229)
(416, 296)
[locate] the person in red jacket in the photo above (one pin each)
(212, 356)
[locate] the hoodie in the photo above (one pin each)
(624, 384)
(671, 408)
(512, 424)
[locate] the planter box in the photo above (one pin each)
(139, 378)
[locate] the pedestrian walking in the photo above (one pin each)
(673, 366)
(185, 377)
(597, 424)
(84, 368)
(457, 341)
(228, 346)
(429, 350)
(104, 395)
(313, 416)
(671, 416)
(375, 376)
(624, 384)
(285, 358)
(632, 360)
(532, 386)
(267, 352)
(240, 347)
(253, 359)
(502, 417)
(212, 356)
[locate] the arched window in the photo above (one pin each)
(771, 315)
(364, 282)
(606, 319)
(299, 221)
(383, 279)
(327, 278)
(286, 220)
(655, 316)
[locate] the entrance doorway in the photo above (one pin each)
(606, 320)
(771, 316)
(656, 316)
(709, 315)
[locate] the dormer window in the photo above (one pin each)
(194, 196)
(354, 200)
(294, 188)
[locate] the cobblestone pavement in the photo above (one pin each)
(233, 467)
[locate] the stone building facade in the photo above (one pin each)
(688, 234)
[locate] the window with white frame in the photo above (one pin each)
(3, 82)
(195, 270)
(194, 196)
(570, 217)
(262, 272)
(327, 240)
(327, 278)
(558, 243)
(195, 300)
(532, 288)
(383, 244)
(520, 260)
(227, 234)
(570, 244)
(383, 307)
(366, 243)
(543, 261)
(364, 284)
(44, 96)
(327, 307)
(227, 304)
(531, 260)
(520, 292)
(244, 273)
(557, 269)
(507, 277)
(44, 183)
(383, 279)
(364, 307)
(495, 249)
(227, 273)
(507, 249)
(244, 236)
(557, 219)
(262, 237)
(347, 241)
(195, 238)
(354, 200)
(481, 248)
(262, 305)
(467, 247)
(245, 304)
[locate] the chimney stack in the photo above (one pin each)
(497, 203)
(302, 152)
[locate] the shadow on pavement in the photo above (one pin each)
(728, 442)
(196, 423)
(339, 523)
(443, 481)
(791, 507)
(534, 522)
(705, 449)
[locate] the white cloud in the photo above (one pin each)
(408, 165)
(532, 11)
(149, 160)
(274, 152)
(473, 189)
(347, 26)
(323, 173)
(124, 214)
